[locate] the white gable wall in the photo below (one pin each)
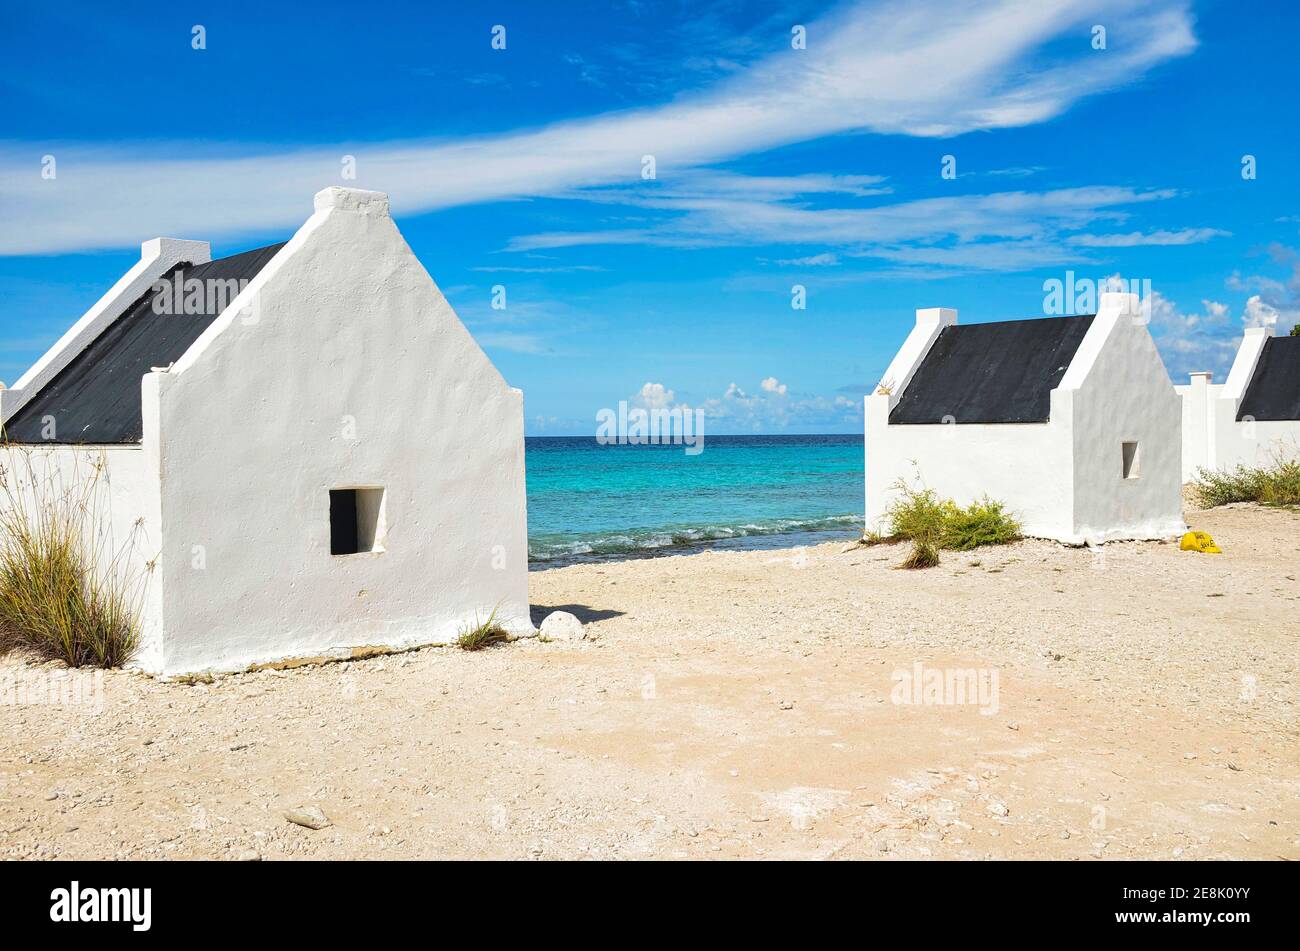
(1119, 391)
(341, 365)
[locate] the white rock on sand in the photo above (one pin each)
(561, 626)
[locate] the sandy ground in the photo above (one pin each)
(734, 705)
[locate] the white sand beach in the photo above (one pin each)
(734, 705)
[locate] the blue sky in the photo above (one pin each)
(774, 167)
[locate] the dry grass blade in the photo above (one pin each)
(63, 594)
(483, 635)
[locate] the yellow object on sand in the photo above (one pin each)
(1200, 541)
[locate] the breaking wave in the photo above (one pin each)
(674, 539)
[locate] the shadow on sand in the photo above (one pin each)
(583, 613)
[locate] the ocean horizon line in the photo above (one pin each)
(707, 436)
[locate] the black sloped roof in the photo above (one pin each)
(1274, 388)
(95, 399)
(1002, 372)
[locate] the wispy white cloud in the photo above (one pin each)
(556, 269)
(896, 67)
(1016, 172)
(825, 259)
(1003, 230)
(513, 342)
(1137, 238)
(530, 323)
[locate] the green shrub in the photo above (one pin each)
(1278, 484)
(985, 522)
(62, 597)
(919, 517)
(931, 524)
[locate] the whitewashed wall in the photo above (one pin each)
(1258, 443)
(1216, 439)
(1026, 465)
(341, 364)
(1198, 397)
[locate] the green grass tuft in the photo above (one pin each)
(483, 635)
(1278, 484)
(932, 524)
(922, 555)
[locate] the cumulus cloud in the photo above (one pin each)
(1274, 302)
(654, 396)
(774, 407)
(1206, 339)
(1260, 313)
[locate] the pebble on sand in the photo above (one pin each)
(309, 817)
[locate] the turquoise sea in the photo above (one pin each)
(592, 502)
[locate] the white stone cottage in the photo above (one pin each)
(1252, 419)
(1070, 421)
(312, 452)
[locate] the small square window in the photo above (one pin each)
(1131, 464)
(356, 521)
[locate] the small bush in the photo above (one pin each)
(985, 522)
(61, 596)
(483, 635)
(932, 524)
(1278, 484)
(919, 517)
